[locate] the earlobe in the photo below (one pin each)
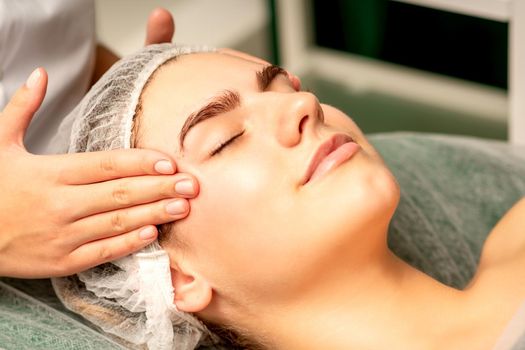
(192, 292)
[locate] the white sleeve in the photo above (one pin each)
(54, 34)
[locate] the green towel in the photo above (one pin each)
(453, 192)
(27, 323)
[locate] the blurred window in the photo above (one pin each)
(442, 42)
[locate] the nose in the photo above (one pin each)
(298, 114)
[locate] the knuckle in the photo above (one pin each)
(167, 188)
(105, 254)
(117, 222)
(108, 164)
(61, 171)
(156, 214)
(62, 175)
(58, 212)
(146, 163)
(58, 237)
(61, 267)
(121, 194)
(130, 245)
(19, 101)
(60, 206)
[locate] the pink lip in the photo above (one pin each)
(330, 154)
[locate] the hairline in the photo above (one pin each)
(166, 229)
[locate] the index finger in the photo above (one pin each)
(91, 167)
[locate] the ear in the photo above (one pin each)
(192, 292)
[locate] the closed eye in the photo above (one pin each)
(223, 145)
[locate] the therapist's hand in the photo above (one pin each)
(61, 214)
(160, 27)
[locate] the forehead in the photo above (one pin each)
(184, 85)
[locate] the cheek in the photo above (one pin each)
(340, 121)
(234, 221)
(369, 195)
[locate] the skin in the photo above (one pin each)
(63, 214)
(260, 251)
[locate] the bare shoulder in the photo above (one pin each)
(500, 278)
(506, 241)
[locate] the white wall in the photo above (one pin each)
(241, 24)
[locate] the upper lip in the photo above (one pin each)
(322, 151)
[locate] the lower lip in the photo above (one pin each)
(338, 156)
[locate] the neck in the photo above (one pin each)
(381, 304)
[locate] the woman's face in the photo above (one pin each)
(256, 230)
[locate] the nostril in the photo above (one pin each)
(302, 123)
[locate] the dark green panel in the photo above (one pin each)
(438, 41)
(274, 35)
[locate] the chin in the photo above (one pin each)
(351, 220)
(363, 196)
(388, 192)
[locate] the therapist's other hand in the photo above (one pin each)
(61, 214)
(160, 27)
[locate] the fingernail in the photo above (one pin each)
(147, 234)
(164, 167)
(176, 207)
(33, 78)
(185, 187)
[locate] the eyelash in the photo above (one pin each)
(223, 145)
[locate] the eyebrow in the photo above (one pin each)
(227, 101)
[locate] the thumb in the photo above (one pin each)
(19, 111)
(160, 27)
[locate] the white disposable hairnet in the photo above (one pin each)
(131, 298)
